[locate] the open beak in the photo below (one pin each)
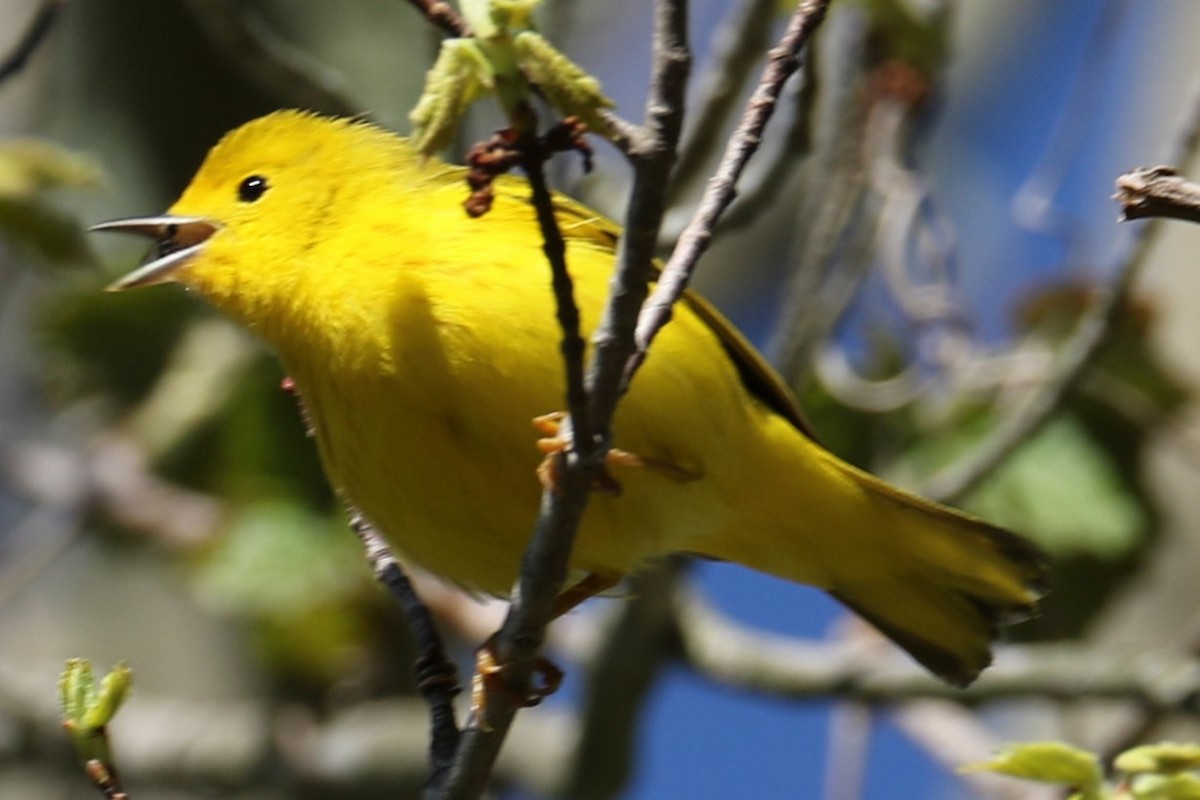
(177, 240)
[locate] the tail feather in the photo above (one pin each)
(938, 582)
(953, 640)
(955, 581)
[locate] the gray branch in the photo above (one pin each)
(876, 672)
(1158, 192)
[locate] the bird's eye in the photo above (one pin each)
(252, 188)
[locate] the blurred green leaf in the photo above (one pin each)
(28, 169)
(1063, 489)
(1161, 757)
(1180, 786)
(295, 575)
(278, 558)
(1048, 762)
(1060, 487)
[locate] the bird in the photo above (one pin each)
(424, 342)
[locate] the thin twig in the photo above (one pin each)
(37, 33)
(782, 61)
(437, 678)
(104, 777)
(652, 160)
(1158, 192)
(443, 15)
(738, 43)
(269, 62)
(543, 571)
(573, 347)
(833, 252)
(760, 187)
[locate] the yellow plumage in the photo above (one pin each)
(424, 342)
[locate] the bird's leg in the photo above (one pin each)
(555, 442)
(587, 587)
(547, 677)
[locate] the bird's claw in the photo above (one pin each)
(489, 680)
(554, 442)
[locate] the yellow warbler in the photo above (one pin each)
(423, 342)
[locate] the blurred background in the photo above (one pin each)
(926, 246)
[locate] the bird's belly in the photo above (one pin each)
(457, 504)
(456, 490)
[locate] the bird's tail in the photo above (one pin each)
(937, 582)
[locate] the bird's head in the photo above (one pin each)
(267, 196)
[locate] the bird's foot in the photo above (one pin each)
(587, 587)
(547, 677)
(554, 441)
(489, 680)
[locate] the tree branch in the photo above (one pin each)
(652, 155)
(573, 346)
(1157, 192)
(760, 189)
(833, 251)
(37, 33)
(442, 15)
(544, 564)
(543, 571)
(737, 45)
(782, 61)
(437, 679)
(784, 667)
